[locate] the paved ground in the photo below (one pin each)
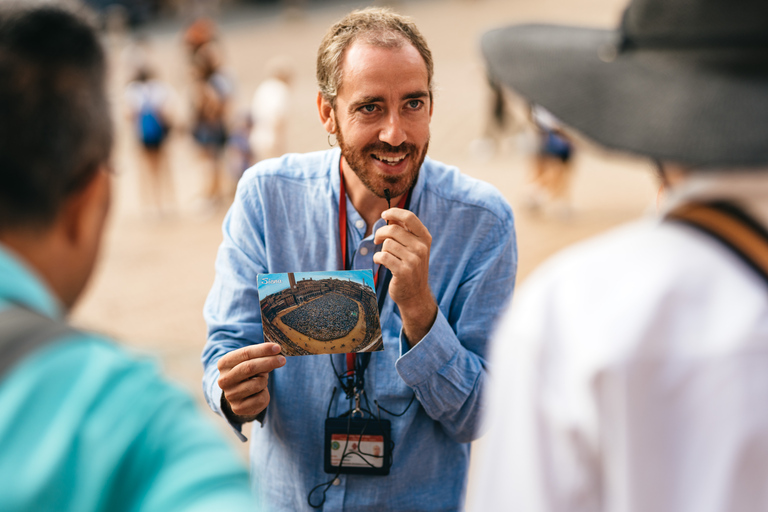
(155, 273)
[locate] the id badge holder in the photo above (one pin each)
(358, 446)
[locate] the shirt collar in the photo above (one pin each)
(748, 189)
(22, 285)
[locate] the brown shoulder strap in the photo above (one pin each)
(732, 227)
(22, 331)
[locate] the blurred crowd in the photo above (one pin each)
(227, 139)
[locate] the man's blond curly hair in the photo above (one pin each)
(375, 26)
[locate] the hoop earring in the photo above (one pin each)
(334, 140)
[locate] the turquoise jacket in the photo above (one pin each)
(86, 427)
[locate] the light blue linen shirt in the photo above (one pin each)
(285, 219)
(85, 428)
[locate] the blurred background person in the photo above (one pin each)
(551, 166)
(149, 102)
(270, 109)
(83, 425)
(498, 123)
(631, 371)
(212, 90)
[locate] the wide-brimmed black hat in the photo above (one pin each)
(684, 81)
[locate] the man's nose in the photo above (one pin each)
(393, 132)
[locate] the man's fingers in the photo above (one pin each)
(394, 264)
(395, 232)
(400, 216)
(394, 248)
(248, 369)
(232, 359)
(252, 405)
(403, 249)
(247, 388)
(408, 220)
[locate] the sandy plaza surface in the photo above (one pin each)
(150, 286)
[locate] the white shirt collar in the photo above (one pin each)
(748, 189)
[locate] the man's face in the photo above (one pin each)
(382, 112)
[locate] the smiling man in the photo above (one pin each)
(445, 258)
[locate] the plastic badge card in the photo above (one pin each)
(320, 312)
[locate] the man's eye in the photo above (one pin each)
(414, 104)
(368, 108)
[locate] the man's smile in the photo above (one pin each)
(389, 159)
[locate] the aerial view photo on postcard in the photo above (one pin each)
(320, 312)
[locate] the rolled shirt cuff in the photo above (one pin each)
(417, 364)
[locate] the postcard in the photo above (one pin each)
(320, 312)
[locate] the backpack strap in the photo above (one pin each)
(732, 227)
(22, 331)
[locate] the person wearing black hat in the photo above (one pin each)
(631, 371)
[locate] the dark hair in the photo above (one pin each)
(55, 126)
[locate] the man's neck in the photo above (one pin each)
(40, 253)
(368, 205)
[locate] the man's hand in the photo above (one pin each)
(405, 252)
(243, 378)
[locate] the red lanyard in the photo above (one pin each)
(343, 240)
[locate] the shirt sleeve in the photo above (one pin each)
(95, 429)
(232, 310)
(185, 465)
(447, 368)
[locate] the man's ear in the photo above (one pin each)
(82, 217)
(327, 116)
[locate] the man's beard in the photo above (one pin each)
(359, 161)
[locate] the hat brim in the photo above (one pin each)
(695, 107)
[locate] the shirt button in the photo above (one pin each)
(336, 481)
(360, 224)
(363, 251)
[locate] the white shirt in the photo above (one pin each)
(631, 374)
(152, 94)
(269, 109)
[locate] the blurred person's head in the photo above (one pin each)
(55, 142)
(200, 32)
(144, 74)
(206, 60)
(374, 71)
